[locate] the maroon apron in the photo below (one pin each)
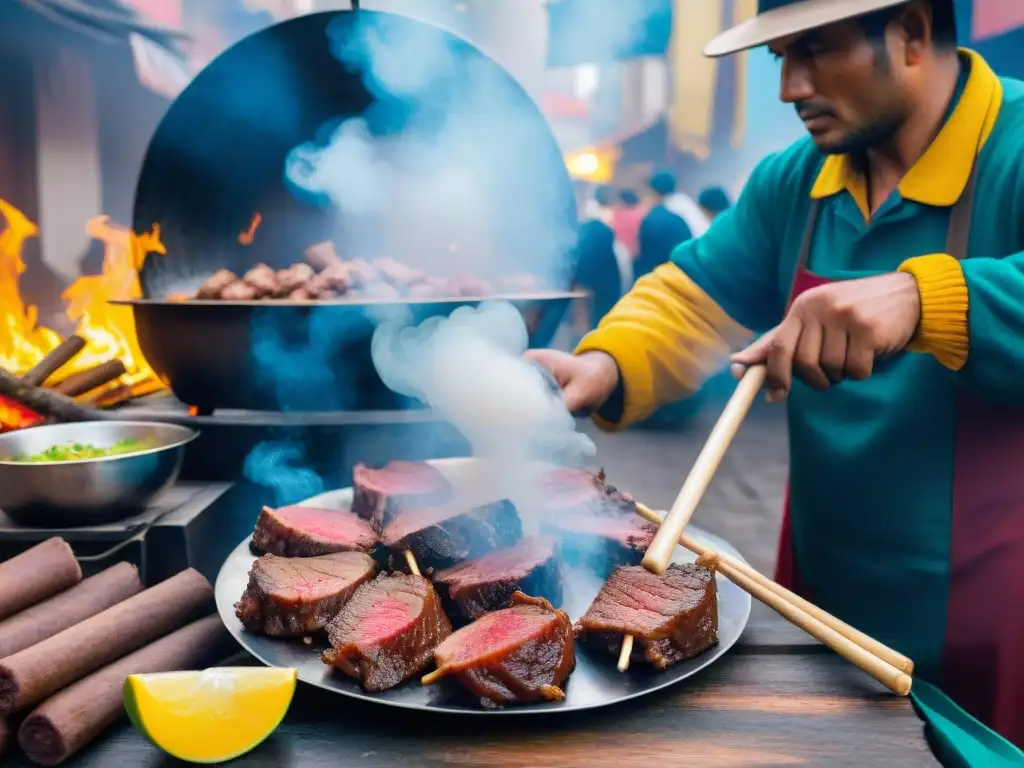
(983, 654)
(957, 237)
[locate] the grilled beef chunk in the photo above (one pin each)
(518, 655)
(387, 631)
(239, 291)
(216, 283)
(397, 274)
(293, 278)
(323, 255)
(442, 536)
(471, 589)
(333, 280)
(672, 617)
(307, 532)
(571, 490)
(378, 492)
(601, 543)
(262, 279)
(291, 597)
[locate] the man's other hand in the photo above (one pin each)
(587, 380)
(836, 332)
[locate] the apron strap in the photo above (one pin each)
(959, 233)
(805, 245)
(957, 236)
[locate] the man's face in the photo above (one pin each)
(846, 89)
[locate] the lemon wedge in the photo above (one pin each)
(210, 716)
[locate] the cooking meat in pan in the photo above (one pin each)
(293, 597)
(672, 617)
(519, 655)
(377, 493)
(325, 275)
(471, 589)
(388, 631)
(449, 533)
(307, 532)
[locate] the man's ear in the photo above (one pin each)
(914, 26)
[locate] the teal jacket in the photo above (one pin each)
(906, 509)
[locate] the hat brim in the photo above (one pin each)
(792, 19)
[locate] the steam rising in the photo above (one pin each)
(469, 367)
(280, 466)
(448, 170)
(451, 170)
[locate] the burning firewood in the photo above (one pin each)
(54, 361)
(45, 402)
(91, 378)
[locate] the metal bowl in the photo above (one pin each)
(87, 491)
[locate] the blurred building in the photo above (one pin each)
(84, 84)
(648, 92)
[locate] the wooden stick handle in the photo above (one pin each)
(432, 677)
(410, 560)
(625, 652)
(659, 553)
(868, 643)
(895, 680)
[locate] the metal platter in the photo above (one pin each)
(594, 683)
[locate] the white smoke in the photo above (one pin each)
(448, 171)
(469, 367)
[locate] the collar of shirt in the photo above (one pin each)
(938, 178)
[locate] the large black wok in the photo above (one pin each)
(219, 155)
(291, 356)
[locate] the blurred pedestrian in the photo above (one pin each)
(597, 267)
(713, 201)
(661, 230)
(663, 184)
(628, 213)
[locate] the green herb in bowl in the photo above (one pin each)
(80, 451)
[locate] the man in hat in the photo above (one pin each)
(892, 322)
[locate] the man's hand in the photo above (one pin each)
(587, 380)
(836, 331)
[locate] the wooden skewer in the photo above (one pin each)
(410, 559)
(434, 676)
(624, 654)
(659, 553)
(868, 643)
(896, 680)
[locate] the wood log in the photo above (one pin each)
(88, 380)
(45, 403)
(53, 362)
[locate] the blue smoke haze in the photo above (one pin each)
(448, 172)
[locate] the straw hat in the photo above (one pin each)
(781, 18)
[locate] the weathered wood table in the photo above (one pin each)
(776, 699)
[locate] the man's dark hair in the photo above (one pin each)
(604, 195)
(662, 183)
(943, 23)
(715, 199)
(628, 197)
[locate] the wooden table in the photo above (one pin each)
(776, 699)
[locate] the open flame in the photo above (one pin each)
(108, 330)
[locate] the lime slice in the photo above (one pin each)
(210, 716)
